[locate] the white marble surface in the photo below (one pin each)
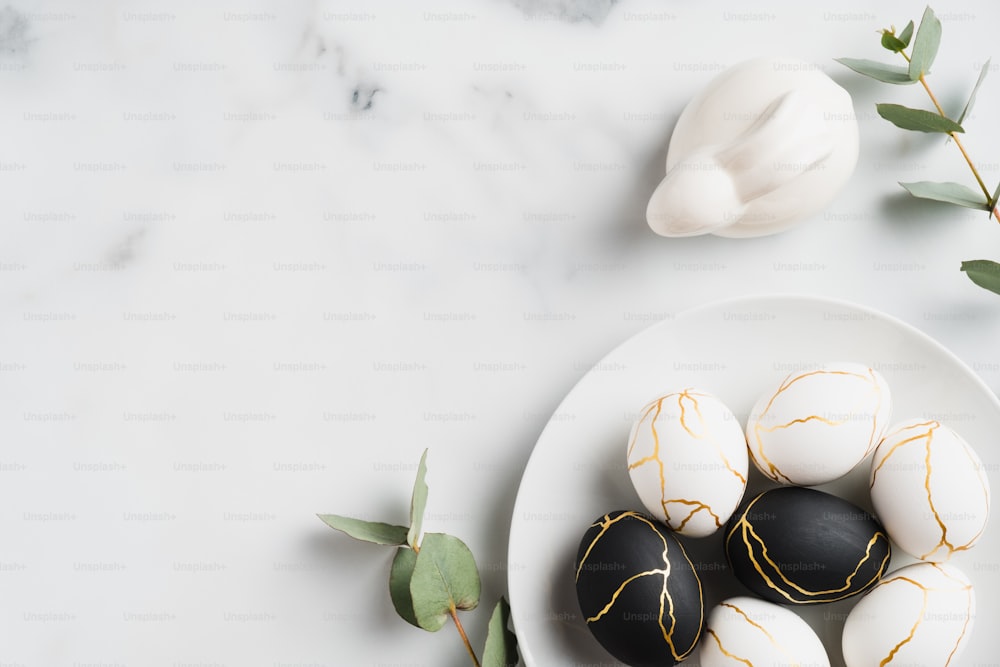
(256, 256)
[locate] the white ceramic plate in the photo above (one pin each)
(734, 349)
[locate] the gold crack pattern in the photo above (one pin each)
(968, 610)
(747, 532)
(666, 601)
(655, 408)
(925, 591)
(927, 437)
(764, 463)
(774, 642)
(731, 656)
(604, 523)
(698, 507)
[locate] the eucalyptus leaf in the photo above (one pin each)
(995, 199)
(975, 89)
(418, 502)
(951, 193)
(891, 42)
(917, 119)
(907, 34)
(399, 583)
(984, 273)
(501, 642)
(367, 531)
(878, 71)
(925, 45)
(444, 579)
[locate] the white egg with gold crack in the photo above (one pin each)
(817, 424)
(921, 614)
(687, 458)
(750, 631)
(929, 488)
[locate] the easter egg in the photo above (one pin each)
(687, 458)
(794, 545)
(638, 591)
(749, 631)
(929, 489)
(816, 425)
(921, 614)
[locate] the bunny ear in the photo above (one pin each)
(789, 138)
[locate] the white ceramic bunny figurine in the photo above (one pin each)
(767, 143)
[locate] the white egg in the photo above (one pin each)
(687, 458)
(921, 614)
(930, 490)
(817, 424)
(750, 631)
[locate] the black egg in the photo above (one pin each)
(793, 545)
(638, 590)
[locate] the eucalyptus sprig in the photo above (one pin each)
(983, 272)
(433, 577)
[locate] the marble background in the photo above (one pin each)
(255, 257)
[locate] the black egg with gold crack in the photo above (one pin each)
(794, 545)
(638, 591)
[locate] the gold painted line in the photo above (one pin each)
(618, 591)
(656, 449)
(943, 573)
(635, 437)
(701, 603)
(642, 461)
(743, 517)
(943, 542)
(774, 566)
(698, 507)
(683, 417)
(605, 524)
(932, 424)
(774, 642)
(801, 420)
(726, 653)
(913, 630)
(789, 380)
(665, 593)
(749, 620)
(878, 408)
(667, 634)
(753, 560)
(656, 530)
(725, 460)
(772, 471)
(965, 626)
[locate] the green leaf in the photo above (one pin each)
(907, 33)
(444, 579)
(399, 583)
(995, 199)
(975, 89)
(367, 531)
(951, 193)
(877, 70)
(925, 45)
(418, 502)
(984, 273)
(891, 42)
(917, 119)
(501, 643)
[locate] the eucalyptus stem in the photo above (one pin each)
(923, 41)
(465, 637)
(958, 142)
